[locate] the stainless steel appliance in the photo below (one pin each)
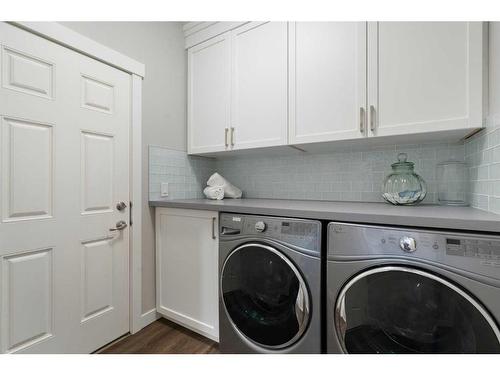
(270, 281)
(397, 290)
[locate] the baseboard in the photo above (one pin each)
(149, 317)
(190, 323)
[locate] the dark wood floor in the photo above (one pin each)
(163, 337)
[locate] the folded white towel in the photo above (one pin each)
(214, 192)
(230, 191)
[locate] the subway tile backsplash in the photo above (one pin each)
(482, 154)
(186, 175)
(344, 176)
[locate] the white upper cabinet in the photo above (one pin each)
(260, 85)
(327, 81)
(263, 84)
(209, 90)
(425, 77)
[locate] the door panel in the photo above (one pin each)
(27, 170)
(27, 74)
(425, 76)
(259, 95)
(209, 90)
(29, 316)
(65, 164)
(97, 172)
(328, 81)
(97, 283)
(97, 95)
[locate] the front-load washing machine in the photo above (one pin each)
(270, 284)
(398, 290)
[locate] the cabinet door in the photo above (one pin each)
(187, 269)
(328, 81)
(259, 99)
(209, 89)
(425, 76)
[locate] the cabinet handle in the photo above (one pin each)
(213, 228)
(362, 119)
(372, 118)
(232, 136)
(225, 136)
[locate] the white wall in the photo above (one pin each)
(159, 45)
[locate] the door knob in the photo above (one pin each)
(119, 226)
(120, 206)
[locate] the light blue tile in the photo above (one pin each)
(494, 204)
(335, 175)
(494, 171)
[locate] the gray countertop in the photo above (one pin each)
(425, 215)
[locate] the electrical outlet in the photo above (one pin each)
(164, 189)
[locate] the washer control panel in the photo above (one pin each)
(305, 234)
(468, 251)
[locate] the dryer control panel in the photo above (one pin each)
(304, 234)
(482, 248)
(470, 252)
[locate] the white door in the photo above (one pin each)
(187, 250)
(327, 81)
(209, 91)
(260, 85)
(425, 76)
(64, 166)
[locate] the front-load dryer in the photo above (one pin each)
(399, 290)
(270, 285)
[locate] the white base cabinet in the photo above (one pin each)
(187, 269)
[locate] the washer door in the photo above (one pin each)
(397, 309)
(265, 296)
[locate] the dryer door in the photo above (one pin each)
(399, 309)
(265, 296)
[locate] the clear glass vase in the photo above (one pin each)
(452, 183)
(403, 186)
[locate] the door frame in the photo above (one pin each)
(70, 39)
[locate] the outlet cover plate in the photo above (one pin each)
(164, 189)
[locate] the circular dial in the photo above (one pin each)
(260, 226)
(408, 244)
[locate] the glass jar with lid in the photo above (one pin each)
(403, 186)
